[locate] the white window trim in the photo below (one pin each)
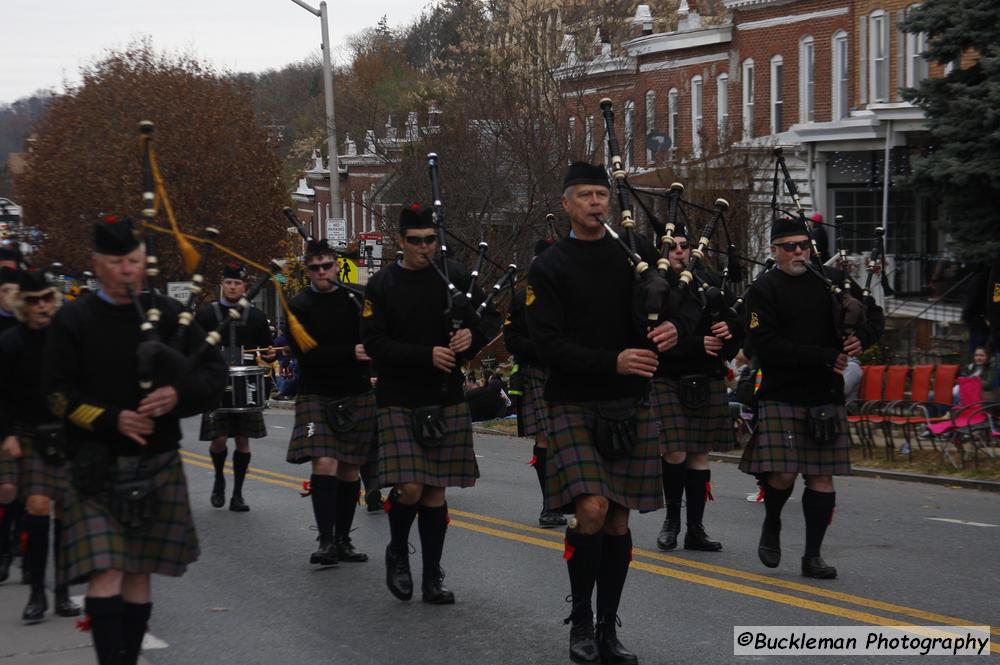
(628, 135)
(873, 38)
(588, 137)
(807, 88)
(916, 43)
(722, 107)
(673, 114)
(836, 96)
(571, 135)
(697, 113)
(775, 62)
(748, 93)
(650, 124)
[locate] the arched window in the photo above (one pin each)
(748, 95)
(697, 114)
(839, 80)
(777, 94)
(807, 80)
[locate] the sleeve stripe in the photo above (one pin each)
(85, 415)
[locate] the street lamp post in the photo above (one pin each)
(336, 211)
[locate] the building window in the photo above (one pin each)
(777, 95)
(697, 114)
(840, 73)
(878, 56)
(650, 124)
(748, 94)
(629, 122)
(807, 80)
(673, 117)
(916, 64)
(722, 107)
(588, 138)
(571, 136)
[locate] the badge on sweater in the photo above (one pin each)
(529, 296)
(996, 292)
(366, 309)
(754, 323)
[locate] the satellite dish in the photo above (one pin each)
(657, 142)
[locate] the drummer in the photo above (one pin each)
(249, 332)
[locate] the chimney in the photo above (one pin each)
(411, 126)
(317, 160)
(370, 142)
(688, 17)
(350, 147)
(390, 131)
(642, 23)
(568, 49)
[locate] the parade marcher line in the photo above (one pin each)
(553, 541)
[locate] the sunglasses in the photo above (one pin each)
(316, 267)
(421, 240)
(34, 300)
(672, 245)
(804, 245)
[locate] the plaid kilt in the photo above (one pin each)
(450, 463)
(692, 430)
(94, 541)
(782, 443)
(36, 477)
(249, 424)
(9, 470)
(312, 436)
(575, 468)
(531, 414)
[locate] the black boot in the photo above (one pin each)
(697, 486)
(106, 628)
(347, 503)
(583, 561)
(5, 560)
(373, 497)
(326, 555)
(37, 605)
(667, 540)
(134, 619)
(433, 589)
(769, 546)
(65, 607)
(397, 572)
(241, 462)
(612, 651)
(373, 500)
(817, 508)
(218, 498)
(815, 567)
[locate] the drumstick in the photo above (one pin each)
(265, 348)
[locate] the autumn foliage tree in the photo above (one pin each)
(215, 160)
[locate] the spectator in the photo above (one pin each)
(981, 368)
(852, 379)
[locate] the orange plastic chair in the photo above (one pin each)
(878, 412)
(900, 414)
(872, 379)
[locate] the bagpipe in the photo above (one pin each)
(154, 352)
(354, 292)
(459, 304)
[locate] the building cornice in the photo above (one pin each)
(791, 18)
(595, 67)
(752, 4)
(683, 62)
(675, 41)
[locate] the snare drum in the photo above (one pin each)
(245, 390)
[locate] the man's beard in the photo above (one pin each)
(796, 268)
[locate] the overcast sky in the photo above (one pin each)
(44, 42)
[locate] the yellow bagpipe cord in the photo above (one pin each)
(304, 340)
(188, 252)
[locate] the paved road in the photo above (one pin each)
(254, 599)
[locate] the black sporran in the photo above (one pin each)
(694, 391)
(823, 423)
(50, 442)
(90, 470)
(428, 425)
(617, 429)
(340, 415)
(133, 502)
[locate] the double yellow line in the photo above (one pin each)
(680, 568)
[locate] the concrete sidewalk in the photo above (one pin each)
(55, 641)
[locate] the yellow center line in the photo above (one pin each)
(553, 540)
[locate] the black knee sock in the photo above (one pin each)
(17, 525)
(615, 560)
(541, 456)
(774, 501)
(219, 462)
(324, 501)
(241, 462)
(6, 525)
(37, 552)
(368, 476)
(134, 619)
(696, 485)
(347, 503)
(401, 518)
(433, 524)
(673, 481)
(106, 627)
(583, 561)
(58, 556)
(817, 508)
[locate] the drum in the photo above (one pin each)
(245, 390)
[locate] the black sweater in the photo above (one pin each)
(250, 331)
(516, 335)
(332, 368)
(403, 320)
(581, 316)
(22, 400)
(89, 373)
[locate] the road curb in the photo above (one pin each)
(287, 404)
(888, 474)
